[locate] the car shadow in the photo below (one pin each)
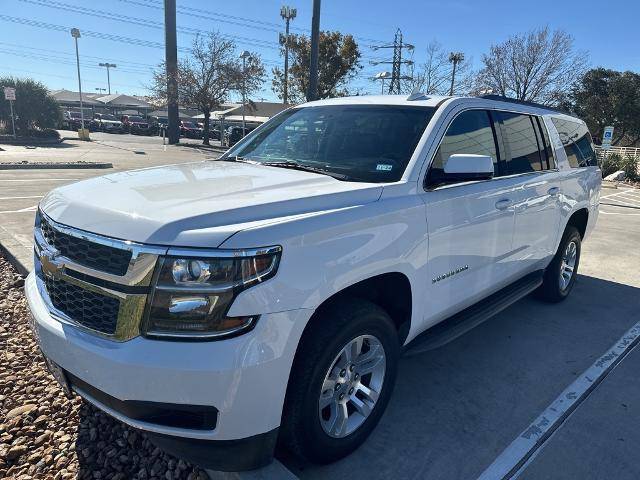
(455, 408)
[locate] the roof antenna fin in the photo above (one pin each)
(416, 94)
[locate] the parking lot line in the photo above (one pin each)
(48, 179)
(17, 198)
(512, 461)
(615, 194)
(22, 210)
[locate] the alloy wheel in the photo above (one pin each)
(568, 264)
(352, 386)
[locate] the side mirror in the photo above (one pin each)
(464, 167)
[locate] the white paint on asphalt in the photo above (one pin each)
(16, 198)
(617, 193)
(510, 463)
(22, 210)
(37, 179)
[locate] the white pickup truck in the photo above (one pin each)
(262, 299)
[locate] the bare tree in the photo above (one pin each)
(209, 75)
(433, 77)
(537, 66)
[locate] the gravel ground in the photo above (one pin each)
(45, 435)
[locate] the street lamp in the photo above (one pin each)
(100, 90)
(382, 76)
(75, 33)
(108, 66)
(244, 56)
(455, 58)
(287, 14)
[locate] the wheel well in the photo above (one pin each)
(579, 220)
(390, 291)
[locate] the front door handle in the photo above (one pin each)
(503, 204)
(553, 191)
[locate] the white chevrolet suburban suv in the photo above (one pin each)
(264, 298)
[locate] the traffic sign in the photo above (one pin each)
(9, 93)
(607, 137)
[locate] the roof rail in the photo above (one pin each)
(501, 98)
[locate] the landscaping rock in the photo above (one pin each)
(616, 176)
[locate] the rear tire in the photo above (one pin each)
(341, 381)
(560, 275)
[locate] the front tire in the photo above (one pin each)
(341, 381)
(560, 275)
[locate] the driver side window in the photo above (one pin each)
(469, 133)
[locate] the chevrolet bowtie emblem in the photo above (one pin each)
(50, 264)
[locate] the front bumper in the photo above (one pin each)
(244, 377)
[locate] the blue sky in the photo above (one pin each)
(34, 38)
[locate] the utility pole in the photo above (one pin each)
(287, 14)
(75, 33)
(396, 63)
(455, 58)
(171, 61)
(312, 94)
(108, 66)
(244, 55)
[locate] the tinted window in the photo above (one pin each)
(470, 132)
(522, 142)
(367, 143)
(576, 141)
(548, 151)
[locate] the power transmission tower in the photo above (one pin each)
(396, 63)
(287, 14)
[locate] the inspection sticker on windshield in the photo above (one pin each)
(384, 167)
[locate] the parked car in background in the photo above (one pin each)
(73, 120)
(265, 298)
(190, 129)
(105, 122)
(157, 124)
(233, 134)
(214, 130)
(135, 124)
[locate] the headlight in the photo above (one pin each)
(193, 294)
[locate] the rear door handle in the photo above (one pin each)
(503, 204)
(553, 191)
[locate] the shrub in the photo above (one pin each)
(610, 164)
(630, 166)
(34, 108)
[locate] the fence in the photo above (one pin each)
(622, 151)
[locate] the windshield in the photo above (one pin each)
(136, 119)
(366, 143)
(108, 117)
(189, 124)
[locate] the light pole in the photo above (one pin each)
(455, 58)
(75, 33)
(108, 66)
(244, 56)
(287, 14)
(382, 76)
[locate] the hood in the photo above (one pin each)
(197, 204)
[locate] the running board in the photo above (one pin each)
(469, 318)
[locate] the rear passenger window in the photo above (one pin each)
(470, 132)
(522, 143)
(577, 143)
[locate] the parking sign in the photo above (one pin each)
(607, 137)
(9, 93)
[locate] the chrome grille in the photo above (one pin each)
(89, 309)
(93, 255)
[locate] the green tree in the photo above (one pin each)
(208, 76)
(338, 63)
(33, 108)
(606, 97)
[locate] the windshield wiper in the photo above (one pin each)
(306, 168)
